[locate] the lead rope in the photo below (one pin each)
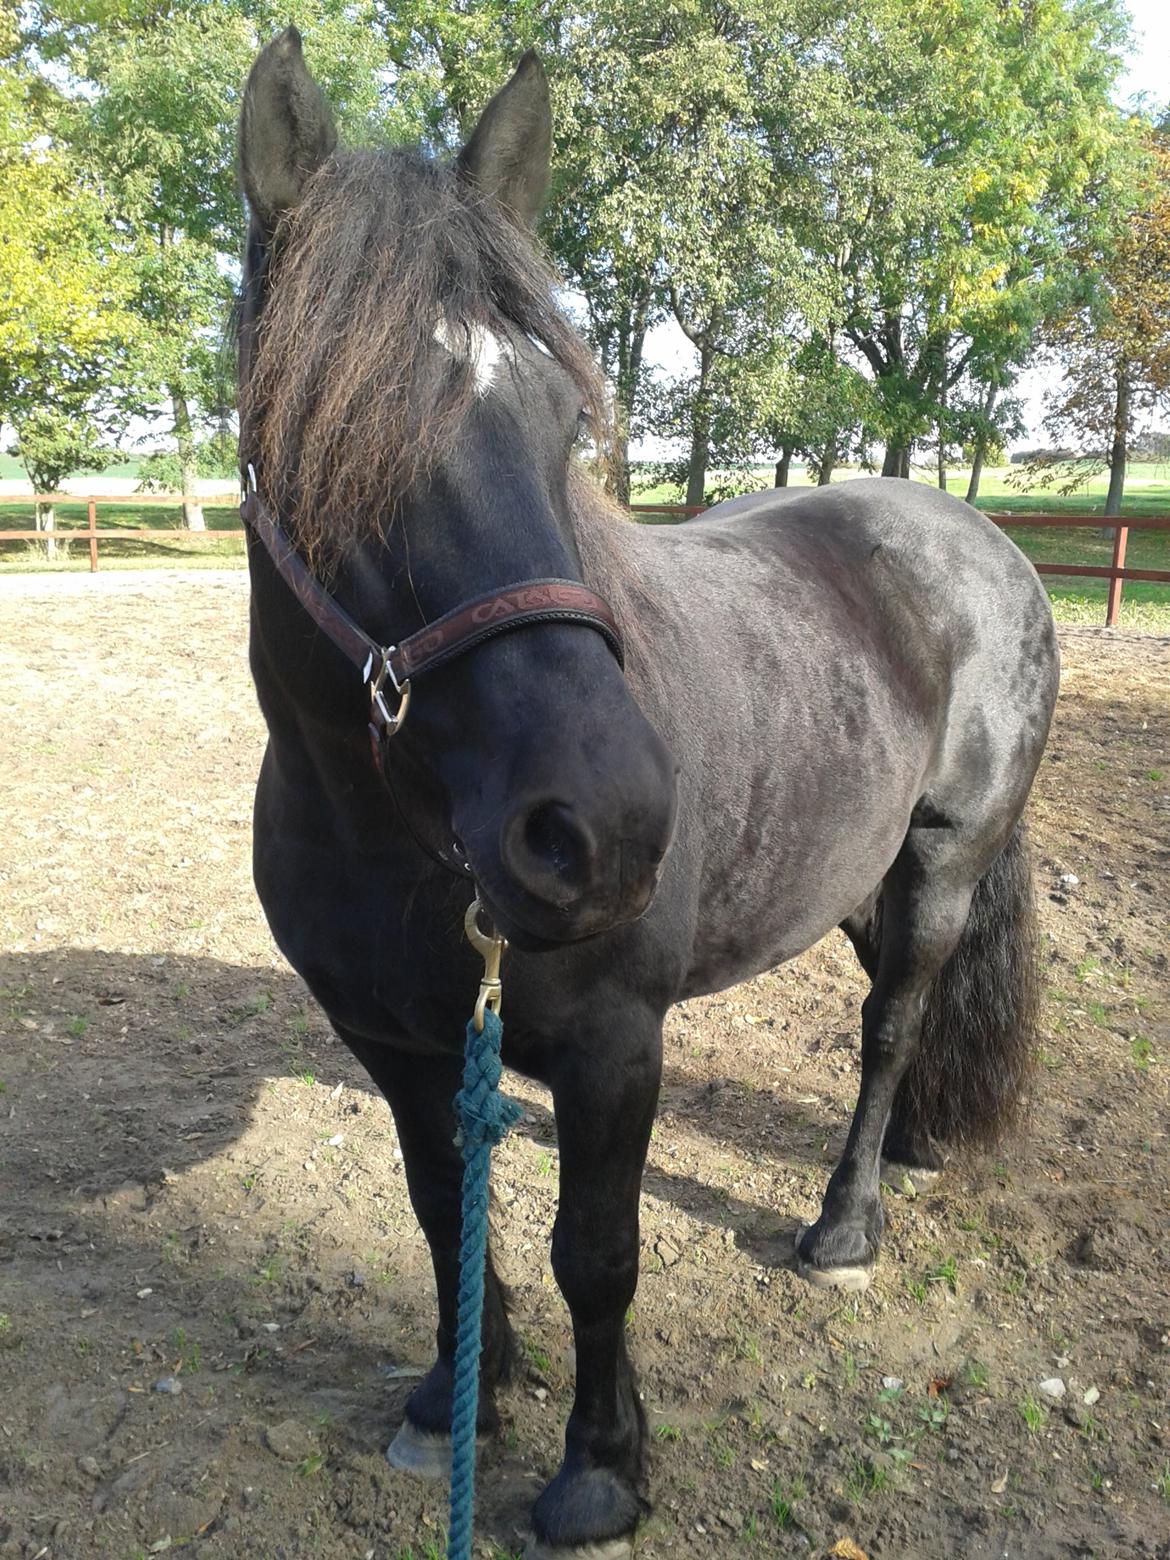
(484, 1116)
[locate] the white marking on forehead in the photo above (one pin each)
(482, 346)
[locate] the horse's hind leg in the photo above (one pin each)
(909, 1151)
(420, 1092)
(926, 897)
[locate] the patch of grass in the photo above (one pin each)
(77, 1026)
(975, 1373)
(1086, 967)
(746, 1346)
(1142, 1052)
(539, 1358)
(849, 1371)
(544, 1164)
(1096, 1011)
(1162, 1482)
(668, 1433)
(306, 1079)
(311, 1465)
(916, 1289)
(935, 1413)
(881, 1430)
(1034, 1414)
(784, 1501)
(866, 1478)
(189, 1358)
(1156, 775)
(944, 1272)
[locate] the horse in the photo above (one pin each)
(665, 758)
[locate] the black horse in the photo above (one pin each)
(832, 709)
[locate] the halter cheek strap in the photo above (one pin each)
(387, 669)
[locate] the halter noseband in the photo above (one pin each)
(484, 617)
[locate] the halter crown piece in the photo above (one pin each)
(393, 668)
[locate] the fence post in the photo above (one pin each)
(1116, 585)
(91, 513)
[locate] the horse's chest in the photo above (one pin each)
(376, 955)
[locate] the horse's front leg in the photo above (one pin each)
(421, 1091)
(605, 1090)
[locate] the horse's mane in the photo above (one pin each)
(342, 406)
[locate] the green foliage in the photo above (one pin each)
(857, 214)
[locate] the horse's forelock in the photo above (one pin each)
(342, 403)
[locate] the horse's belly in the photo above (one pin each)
(778, 893)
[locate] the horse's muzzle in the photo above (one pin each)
(565, 868)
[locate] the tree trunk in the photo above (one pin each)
(700, 435)
(617, 475)
(940, 429)
(783, 464)
(46, 521)
(981, 446)
(185, 442)
(631, 330)
(1119, 450)
(897, 461)
(827, 462)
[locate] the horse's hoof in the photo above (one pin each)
(611, 1549)
(853, 1278)
(909, 1180)
(426, 1453)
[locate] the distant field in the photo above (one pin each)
(1144, 606)
(12, 470)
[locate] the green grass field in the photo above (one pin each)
(1075, 600)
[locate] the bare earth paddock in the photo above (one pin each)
(198, 1188)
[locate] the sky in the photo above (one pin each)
(1147, 74)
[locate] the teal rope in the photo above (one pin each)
(484, 1117)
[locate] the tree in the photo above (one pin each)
(1115, 348)
(961, 246)
(152, 110)
(65, 327)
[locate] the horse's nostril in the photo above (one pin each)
(557, 843)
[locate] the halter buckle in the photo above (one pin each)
(391, 722)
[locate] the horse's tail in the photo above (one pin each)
(978, 1045)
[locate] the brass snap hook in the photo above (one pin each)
(490, 946)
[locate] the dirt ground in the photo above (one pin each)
(213, 1295)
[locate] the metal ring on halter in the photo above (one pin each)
(391, 722)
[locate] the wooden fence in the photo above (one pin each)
(1116, 573)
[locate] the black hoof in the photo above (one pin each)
(835, 1258)
(584, 1510)
(428, 1408)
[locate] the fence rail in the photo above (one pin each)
(1116, 573)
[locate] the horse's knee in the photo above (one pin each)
(597, 1277)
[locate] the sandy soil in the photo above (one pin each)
(198, 1188)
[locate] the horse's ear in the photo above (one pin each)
(508, 154)
(286, 130)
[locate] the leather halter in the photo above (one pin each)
(484, 617)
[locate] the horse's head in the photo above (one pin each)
(410, 396)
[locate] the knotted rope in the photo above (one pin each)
(484, 1117)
